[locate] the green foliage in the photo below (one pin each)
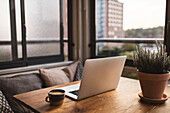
(156, 32)
(128, 47)
(129, 75)
(152, 62)
(128, 54)
(110, 51)
(125, 49)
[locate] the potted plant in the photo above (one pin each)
(152, 70)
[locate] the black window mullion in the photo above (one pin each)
(167, 27)
(70, 30)
(61, 29)
(23, 27)
(92, 44)
(13, 30)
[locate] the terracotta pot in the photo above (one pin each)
(153, 85)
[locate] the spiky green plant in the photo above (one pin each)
(152, 62)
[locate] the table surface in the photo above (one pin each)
(123, 99)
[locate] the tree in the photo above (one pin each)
(128, 47)
(155, 32)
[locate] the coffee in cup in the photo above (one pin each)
(55, 97)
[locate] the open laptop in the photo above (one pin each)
(99, 75)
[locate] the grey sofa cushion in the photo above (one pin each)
(4, 106)
(79, 72)
(19, 84)
(71, 70)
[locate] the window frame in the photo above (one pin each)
(167, 27)
(70, 30)
(129, 62)
(26, 61)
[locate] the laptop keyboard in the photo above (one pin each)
(74, 92)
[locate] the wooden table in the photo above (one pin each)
(123, 99)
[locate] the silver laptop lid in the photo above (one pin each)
(100, 75)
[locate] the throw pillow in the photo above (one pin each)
(4, 106)
(71, 70)
(79, 72)
(19, 84)
(54, 76)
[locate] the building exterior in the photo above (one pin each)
(109, 19)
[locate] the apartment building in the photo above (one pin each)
(109, 18)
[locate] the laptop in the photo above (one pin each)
(99, 76)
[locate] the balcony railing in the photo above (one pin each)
(98, 40)
(129, 40)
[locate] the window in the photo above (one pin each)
(5, 46)
(31, 32)
(42, 21)
(135, 23)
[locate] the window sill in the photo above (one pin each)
(32, 68)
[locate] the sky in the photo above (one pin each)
(143, 13)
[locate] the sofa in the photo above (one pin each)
(23, 80)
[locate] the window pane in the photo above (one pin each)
(120, 49)
(42, 49)
(5, 49)
(65, 51)
(143, 13)
(19, 51)
(42, 24)
(5, 53)
(124, 19)
(109, 19)
(65, 25)
(18, 26)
